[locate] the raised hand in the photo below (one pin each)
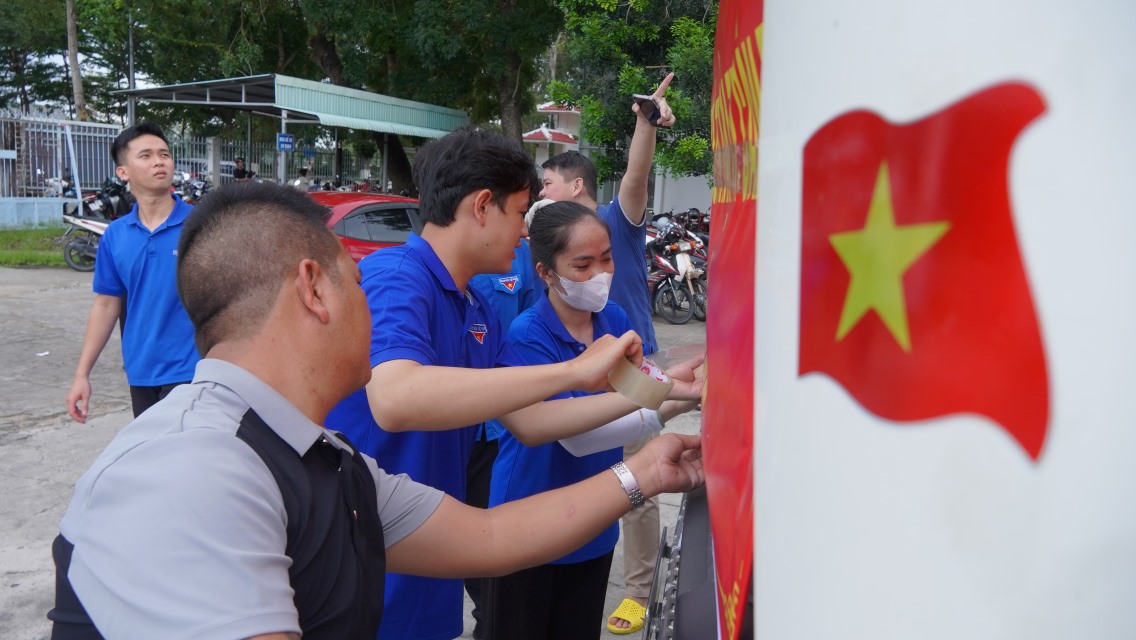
(666, 116)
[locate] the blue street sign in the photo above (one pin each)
(285, 142)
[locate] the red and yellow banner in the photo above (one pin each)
(728, 410)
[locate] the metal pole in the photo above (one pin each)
(383, 184)
(130, 114)
(248, 137)
(281, 175)
(74, 167)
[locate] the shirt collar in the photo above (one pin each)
(426, 253)
(277, 412)
(176, 217)
(547, 314)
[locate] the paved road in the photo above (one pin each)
(42, 316)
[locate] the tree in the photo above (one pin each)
(73, 61)
(31, 34)
(615, 49)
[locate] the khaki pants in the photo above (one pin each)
(640, 539)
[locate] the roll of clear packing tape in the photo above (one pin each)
(646, 385)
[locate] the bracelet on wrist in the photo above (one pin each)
(630, 485)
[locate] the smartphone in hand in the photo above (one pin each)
(648, 107)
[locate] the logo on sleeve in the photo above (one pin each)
(507, 284)
(478, 330)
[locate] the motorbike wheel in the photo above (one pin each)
(699, 299)
(673, 303)
(77, 255)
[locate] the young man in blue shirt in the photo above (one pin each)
(572, 176)
(440, 363)
(135, 276)
(508, 294)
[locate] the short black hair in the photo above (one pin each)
(118, 147)
(236, 248)
(571, 165)
(465, 161)
(551, 230)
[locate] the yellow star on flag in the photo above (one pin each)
(876, 257)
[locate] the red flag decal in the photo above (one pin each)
(914, 297)
(478, 330)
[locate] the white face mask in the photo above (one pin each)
(590, 295)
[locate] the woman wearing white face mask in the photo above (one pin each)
(571, 250)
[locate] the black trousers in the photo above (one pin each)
(142, 398)
(552, 601)
(477, 478)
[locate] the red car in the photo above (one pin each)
(367, 222)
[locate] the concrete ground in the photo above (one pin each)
(43, 313)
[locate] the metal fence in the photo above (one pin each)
(36, 154)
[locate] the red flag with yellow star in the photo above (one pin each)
(914, 297)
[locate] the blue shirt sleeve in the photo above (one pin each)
(107, 280)
(400, 311)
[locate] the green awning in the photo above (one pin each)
(306, 101)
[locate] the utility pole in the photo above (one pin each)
(130, 100)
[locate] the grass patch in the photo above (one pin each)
(40, 247)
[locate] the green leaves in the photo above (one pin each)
(616, 49)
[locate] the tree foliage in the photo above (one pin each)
(474, 55)
(618, 48)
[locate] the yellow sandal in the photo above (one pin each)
(630, 611)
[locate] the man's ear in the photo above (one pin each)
(311, 284)
(481, 201)
(577, 186)
(120, 171)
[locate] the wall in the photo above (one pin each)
(680, 194)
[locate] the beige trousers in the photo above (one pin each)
(640, 539)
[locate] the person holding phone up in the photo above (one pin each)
(572, 176)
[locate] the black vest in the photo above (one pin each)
(335, 541)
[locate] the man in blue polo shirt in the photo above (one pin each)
(441, 364)
(572, 176)
(135, 277)
(508, 294)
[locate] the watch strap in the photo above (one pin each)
(630, 485)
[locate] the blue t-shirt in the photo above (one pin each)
(629, 284)
(141, 266)
(508, 294)
(417, 313)
(539, 337)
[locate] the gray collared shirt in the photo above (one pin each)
(179, 528)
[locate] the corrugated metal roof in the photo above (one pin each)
(331, 105)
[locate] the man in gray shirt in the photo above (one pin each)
(227, 511)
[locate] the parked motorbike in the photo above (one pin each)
(112, 201)
(192, 188)
(81, 240)
(676, 284)
(671, 246)
(696, 222)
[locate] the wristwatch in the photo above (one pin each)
(630, 485)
